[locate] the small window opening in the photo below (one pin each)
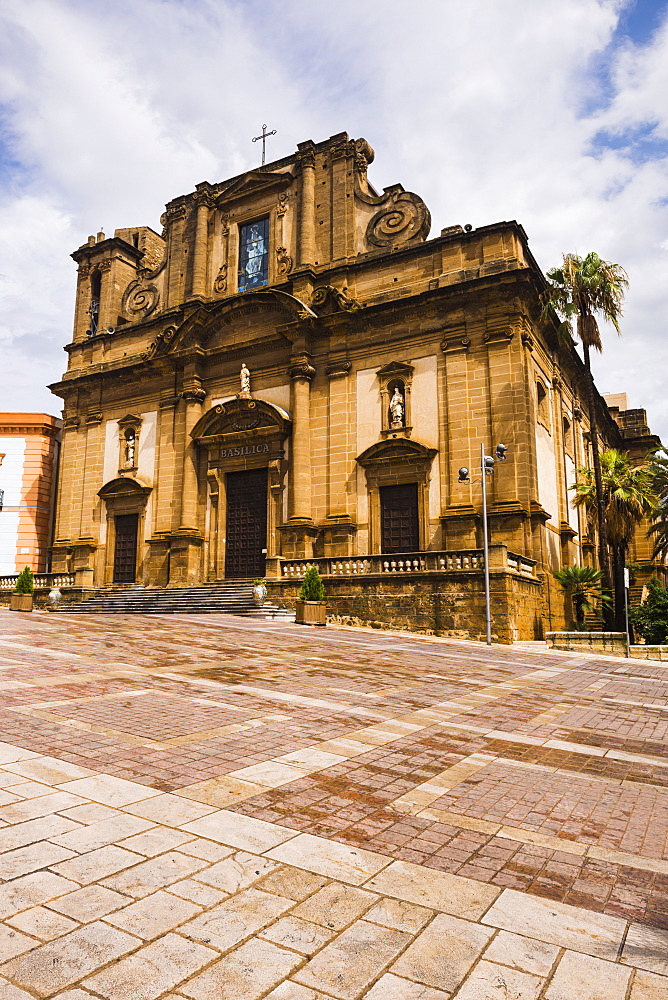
(94, 307)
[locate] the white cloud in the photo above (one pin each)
(489, 110)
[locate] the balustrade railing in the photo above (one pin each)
(43, 581)
(411, 562)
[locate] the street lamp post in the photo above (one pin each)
(486, 469)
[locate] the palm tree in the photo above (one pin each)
(659, 470)
(582, 584)
(628, 496)
(582, 288)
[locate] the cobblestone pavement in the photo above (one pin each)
(210, 807)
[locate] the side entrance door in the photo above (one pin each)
(125, 552)
(246, 524)
(399, 518)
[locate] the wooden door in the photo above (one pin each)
(125, 552)
(246, 529)
(399, 518)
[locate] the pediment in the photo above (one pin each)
(238, 416)
(254, 182)
(395, 451)
(124, 486)
(395, 368)
(249, 317)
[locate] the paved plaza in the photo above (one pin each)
(215, 808)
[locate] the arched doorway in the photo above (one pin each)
(125, 499)
(245, 442)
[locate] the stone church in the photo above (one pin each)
(292, 373)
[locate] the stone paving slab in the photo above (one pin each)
(352, 879)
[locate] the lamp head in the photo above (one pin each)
(489, 463)
(501, 451)
(463, 475)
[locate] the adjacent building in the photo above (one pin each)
(29, 446)
(291, 372)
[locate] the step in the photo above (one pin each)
(233, 597)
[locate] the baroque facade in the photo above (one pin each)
(376, 363)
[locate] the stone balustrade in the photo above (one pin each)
(457, 561)
(43, 581)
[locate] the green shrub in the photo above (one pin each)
(25, 583)
(312, 588)
(650, 620)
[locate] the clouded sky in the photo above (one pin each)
(554, 114)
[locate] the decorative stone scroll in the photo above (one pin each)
(139, 300)
(283, 261)
(329, 299)
(403, 218)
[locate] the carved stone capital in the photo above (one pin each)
(195, 394)
(94, 418)
(300, 368)
(306, 155)
(338, 369)
(455, 343)
(104, 265)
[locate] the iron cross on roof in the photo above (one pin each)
(265, 135)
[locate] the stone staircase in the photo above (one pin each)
(232, 597)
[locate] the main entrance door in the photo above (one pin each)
(246, 523)
(125, 552)
(399, 518)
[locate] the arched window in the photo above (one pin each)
(94, 307)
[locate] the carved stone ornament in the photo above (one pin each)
(282, 205)
(328, 299)
(403, 218)
(220, 284)
(284, 261)
(139, 300)
(194, 393)
(164, 337)
(302, 369)
(338, 369)
(456, 343)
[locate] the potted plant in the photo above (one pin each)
(259, 592)
(21, 599)
(310, 606)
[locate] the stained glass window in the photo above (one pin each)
(254, 255)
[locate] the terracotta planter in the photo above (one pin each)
(20, 602)
(311, 612)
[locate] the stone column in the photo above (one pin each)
(194, 397)
(301, 373)
(203, 202)
(307, 208)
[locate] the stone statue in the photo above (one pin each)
(130, 444)
(397, 409)
(245, 379)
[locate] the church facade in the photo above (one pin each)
(292, 373)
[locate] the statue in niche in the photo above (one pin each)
(244, 377)
(397, 409)
(130, 448)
